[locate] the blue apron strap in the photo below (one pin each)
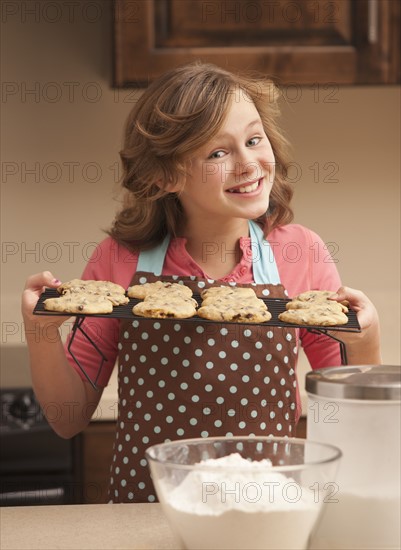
(151, 261)
(263, 263)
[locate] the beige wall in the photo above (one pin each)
(60, 148)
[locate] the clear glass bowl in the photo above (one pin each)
(267, 493)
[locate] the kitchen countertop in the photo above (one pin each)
(85, 527)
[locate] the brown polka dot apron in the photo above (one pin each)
(183, 379)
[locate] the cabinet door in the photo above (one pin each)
(299, 41)
(97, 452)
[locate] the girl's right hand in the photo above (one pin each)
(34, 286)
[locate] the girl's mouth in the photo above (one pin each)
(248, 188)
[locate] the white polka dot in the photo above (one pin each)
(164, 361)
(147, 417)
(265, 292)
(257, 368)
(184, 386)
(258, 345)
(231, 412)
(200, 329)
(197, 375)
(145, 439)
(141, 381)
(269, 357)
(177, 327)
(204, 434)
(185, 363)
(195, 398)
(180, 431)
(282, 382)
(234, 366)
(152, 371)
(193, 421)
(280, 404)
(255, 391)
(143, 462)
(161, 383)
(269, 334)
(141, 485)
(245, 378)
(272, 414)
(273, 391)
(173, 373)
(144, 335)
(126, 335)
(233, 389)
(187, 340)
(142, 280)
(176, 350)
(149, 394)
(132, 472)
(279, 347)
(123, 482)
(126, 357)
(169, 419)
(135, 324)
(182, 408)
(198, 352)
(209, 365)
(134, 347)
(171, 396)
(221, 377)
(223, 332)
(234, 344)
(201, 284)
(288, 337)
(276, 369)
(263, 425)
(166, 338)
(142, 358)
(279, 427)
(244, 401)
(222, 354)
(246, 355)
(247, 333)
(156, 325)
(159, 406)
(151, 498)
(154, 348)
(242, 425)
(266, 380)
(157, 429)
(133, 369)
(254, 414)
(208, 388)
(218, 423)
(211, 342)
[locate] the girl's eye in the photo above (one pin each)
(253, 141)
(216, 155)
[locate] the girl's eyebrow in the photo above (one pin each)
(247, 127)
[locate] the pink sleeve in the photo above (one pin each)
(109, 262)
(305, 263)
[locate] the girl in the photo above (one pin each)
(206, 198)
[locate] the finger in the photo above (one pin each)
(40, 280)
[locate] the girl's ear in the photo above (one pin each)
(170, 186)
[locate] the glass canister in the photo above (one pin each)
(358, 409)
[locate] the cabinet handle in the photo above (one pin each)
(373, 21)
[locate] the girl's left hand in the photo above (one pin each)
(362, 347)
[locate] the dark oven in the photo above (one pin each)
(36, 465)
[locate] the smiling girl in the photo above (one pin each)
(205, 199)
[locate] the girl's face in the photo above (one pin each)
(232, 175)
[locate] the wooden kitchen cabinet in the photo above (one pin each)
(96, 455)
(303, 42)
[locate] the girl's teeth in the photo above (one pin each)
(247, 189)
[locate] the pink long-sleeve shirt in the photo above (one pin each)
(303, 262)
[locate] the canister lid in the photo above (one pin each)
(375, 382)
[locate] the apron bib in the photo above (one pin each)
(185, 379)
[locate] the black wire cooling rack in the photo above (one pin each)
(274, 305)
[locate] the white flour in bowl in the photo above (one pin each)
(220, 507)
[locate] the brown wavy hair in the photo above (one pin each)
(175, 116)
